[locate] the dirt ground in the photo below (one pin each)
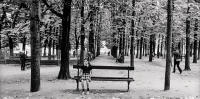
(148, 84)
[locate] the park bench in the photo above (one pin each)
(17, 57)
(128, 79)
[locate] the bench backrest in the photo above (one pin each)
(109, 67)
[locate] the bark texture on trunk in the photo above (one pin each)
(141, 45)
(169, 45)
(91, 33)
(195, 42)
(187, 55)
(35, 46)
(64, 72)
(49, 47)
(199, 50)
(1, 22)
(151, 48)
(11, 45)
(24, 44)
(82, 35)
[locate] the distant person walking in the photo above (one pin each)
(177, 60)
(22, 60)
(74, 53)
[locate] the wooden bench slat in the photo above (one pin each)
(111, 79)
(109, 67)
(108, 78)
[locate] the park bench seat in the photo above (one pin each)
(107, 78)
(94, 78)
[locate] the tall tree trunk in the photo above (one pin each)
(91, 33)
(0, 36)
(82, 35)
(45, 47)
(49, 47)
(182, 45)
(168, 45)
(195, 42)
(11, 46)
(98, 44)
(141, 45)
(179, 46)
(158, 48)
(151, 48)
(161, 50)
(64, 72)
(173, 42)
(121, 31)
(1, 54)
(35, 46)
(114, 48)
(144, 47)
(125, 47)
(59, 43)
(53, 49)
(99, 30)
(187, 55)
(154, 45)
(50, 42)
(191, 46)
(165, 47)
(1, 23)
(95, 45)
(121, 44)
(132, 50)
(146, 50)
(76, 36)
(128, 46)
(114, 51)
(24, 44)
(46, 41)
(199, 50)
(138, 45)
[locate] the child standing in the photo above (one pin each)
(86, 77)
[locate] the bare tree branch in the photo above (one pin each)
(52, 10)
(88, 17)
(3, 15)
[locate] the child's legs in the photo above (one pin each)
(87, 82)
(82, 83)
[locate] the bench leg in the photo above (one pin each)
(77, 87)
(128, 85)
